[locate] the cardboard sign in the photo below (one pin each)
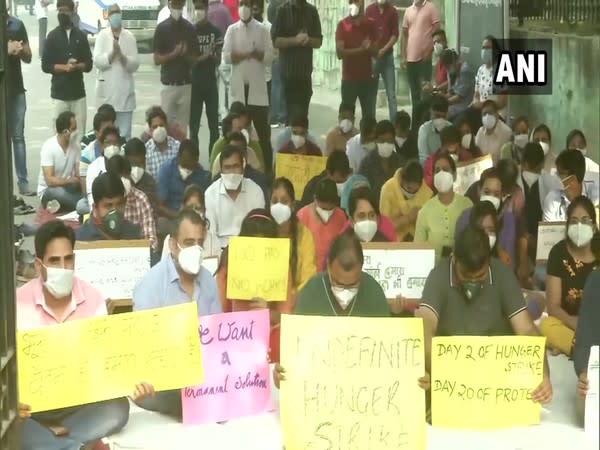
(549, 234)
(113, 267)
(400, 268)
(591, 399)
(97, 359)
(468, 172)
(299, 169)
(485, 382)
(237, 379)
(352, 383)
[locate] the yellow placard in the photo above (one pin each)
(299, 169)
(485, 382)
(352, 383)
(97, 359)
(258, 268)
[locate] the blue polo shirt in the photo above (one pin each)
(171, 186)
(90, 232)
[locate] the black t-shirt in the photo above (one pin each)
(210, 41)
(167, 36)
(15, 31)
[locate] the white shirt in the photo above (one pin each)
(356, 152)
(592, 170)
(64, 162)
(491, 143)
(226, 215)
(556, 202)
(244, 38)
(268, 68)
(41, 11)
(96, 168)
(114, 82)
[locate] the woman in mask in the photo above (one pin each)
(484, 86)
(541, 134)
(485, 216)
(576, 141)
(514, 149)
(437, 218)
(467, 135)
(365, 217)
(451, 144)
(569, 264)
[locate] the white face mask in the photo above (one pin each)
(245, 13)
(246, 135)
(176, 13)
(385, 149)
(59, 281)
(190, 259)
(365, 230)
(298, 141)
(580, 234)
(443, 181)
(281, 213)
(530, 178)
(231, 181)
(545, 147)
(493, 200)
(346, 125)
(492, 238)
(324, 214)
(369, 146)
(344, 296)
(354, 10)
(136, 174)
(340, 188)
(199, 15)
(438, 48)
(159, 135)
(439, 124)
(184, 173)
(111, 151)
(466, 140)
(488, 121)
(521, 140)
(582, 150)
(400, 141)
(126, 184)
(407, 195)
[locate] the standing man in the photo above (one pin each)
(116, 58)
(355, 46)
(41, 12)
(421, 20)
(249, 49)
(385, 18)
(18, 50)
(175, 50)
(66, 56)
(205, 91)
(296, 31)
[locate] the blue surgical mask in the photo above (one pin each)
(115, 20)
(486, 55)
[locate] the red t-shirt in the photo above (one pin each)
(357, 67)
(441, 74)
(232, 5)
(386, 22)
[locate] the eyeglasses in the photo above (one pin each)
(583, 220)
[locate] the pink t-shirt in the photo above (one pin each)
(323, 233)
(32, 312)
(420, 21)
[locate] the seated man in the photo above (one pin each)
(362, 144)
(174, 130)
(109, 113)
(137, 206)
(177, 279)
(494, 133)
(429, 140)
(461, 86)
(239, 138)
(230, 198)
(94, 149)
(406, 139)
(336, 169)
(451, 143)
(474, 294)
(106, 221)
(298, 143)
(58, 296)
(135, 152)
(285, 135)
(176, 174)
(59, 166)
(338, 136)
(162, 146)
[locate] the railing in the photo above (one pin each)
(563, 11)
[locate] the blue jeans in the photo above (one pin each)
(384, 67)
(17, 106)
(123, 122)
(83, 206)
(278, 106)
(165, 402)
(67, 196)
(86, 424)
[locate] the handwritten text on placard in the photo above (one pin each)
(549, 234)
(352, 383)
(469, 172)
(488, 379)
(299, 169)
(90, 360)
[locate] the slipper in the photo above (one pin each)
(23, 210)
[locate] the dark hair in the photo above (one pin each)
(362, 193)
(520, 119)
(492, 172)
(585, 203)
(135, 147)
(402, 120)
(186, 214)
(509, 172)
(68, 3)
(413, 172)
(108, 110)
(236, 136)
(286, 184)
(491, 103)
(450, 135)
(48, 232)
(238, 109)
(153, 112)
(439, 104)
(480, 211)
(495, 46)
(344, 107)
(345, 243)
(533, 154)
(542, 127)
(448, 57)
(439, 32)
(229, 151)
(191, 191)
(445, 155)
(99, 119)
(385, 127)
(227, 124)
(107, 185)
(574, 133)
(326, 191)
(189, 147)
(472, 249)
(299, 120)
(110, 131)
(367, 125)
(63, 121)
(119, 165)
(338, 162)
(573, 163)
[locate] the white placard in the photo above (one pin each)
(469, 172)
(591, 399)
(400, 268)
(113, 267)
(549, 234)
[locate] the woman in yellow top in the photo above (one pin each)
(437, 219)
(402, 196)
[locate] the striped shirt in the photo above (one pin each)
(155, 157)
(139, 211)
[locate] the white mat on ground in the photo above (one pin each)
(559, 428)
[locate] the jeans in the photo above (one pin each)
(384, 67)
(83, 207)
(67, 196)
(123, 122)
(86, 424)
(17, 106)
(417, 73)
(42, 31)
(205, 93)
(297, 92)
(365, 91)
(278, 106)
(165, 402)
